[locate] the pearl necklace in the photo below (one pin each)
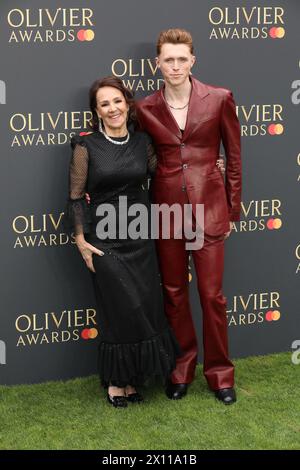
(116, 142)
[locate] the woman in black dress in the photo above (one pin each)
(135, 338)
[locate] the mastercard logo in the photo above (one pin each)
(89, 333)
(85, 35)
(277, 33)
(274, 224)
(272, 315)
(275, 129)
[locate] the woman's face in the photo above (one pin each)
(112, 108)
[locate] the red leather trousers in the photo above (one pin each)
(209, 266)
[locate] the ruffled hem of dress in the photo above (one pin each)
(77, 216)
(135, 363)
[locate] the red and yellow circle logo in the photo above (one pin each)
(272, 315)
(277, 32)
(275, 129)
(89, 333)
(274, 224)
(85, 35)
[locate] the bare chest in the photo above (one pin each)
(180, 116)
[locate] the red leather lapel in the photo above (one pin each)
(163, 114)
(197, 107)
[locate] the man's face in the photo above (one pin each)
(175, 62)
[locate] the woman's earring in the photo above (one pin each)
(100, 125)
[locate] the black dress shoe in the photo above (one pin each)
(117, 401)
(176, 391)
(226, 395)
(134, 397)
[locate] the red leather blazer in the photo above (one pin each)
(187, 163)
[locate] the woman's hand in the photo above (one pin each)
(86, 251)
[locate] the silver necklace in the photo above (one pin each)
(182, 107)
(116, 142)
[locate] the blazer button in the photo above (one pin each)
(182, 145)
(184, 166)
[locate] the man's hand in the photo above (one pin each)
(221, 164)
(226, 235)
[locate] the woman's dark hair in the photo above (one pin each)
(114, 82)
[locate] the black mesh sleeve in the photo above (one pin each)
(77, 217)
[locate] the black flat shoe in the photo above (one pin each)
(226, 395)
(117, 401)
(176, 391)
(134, 397)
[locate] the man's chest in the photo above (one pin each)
(180, 117)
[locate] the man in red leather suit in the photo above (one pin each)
(187, 121)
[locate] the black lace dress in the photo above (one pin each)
(135, 339)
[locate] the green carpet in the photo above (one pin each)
(75, 414)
